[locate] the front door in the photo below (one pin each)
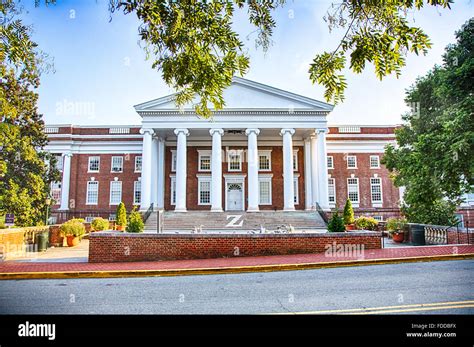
(234, 197)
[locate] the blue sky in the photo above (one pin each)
(101, 70)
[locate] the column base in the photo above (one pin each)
(252, 209)
(217, 210)
(288, 209)
(183, 209)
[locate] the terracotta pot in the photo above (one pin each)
(73, 240)
(398, 237)
(120, 227)
(350, 227)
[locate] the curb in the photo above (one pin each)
(225, 270)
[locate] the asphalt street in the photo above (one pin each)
(416, 288)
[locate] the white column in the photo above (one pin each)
(160, 204)
(307, 175)
(323, 170)
(65, 183)
(181, 172)
(146, 169)
(216, 170)
(288, 185)
(314, 171)
(252, 168)
(154, 171)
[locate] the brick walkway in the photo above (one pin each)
(387, 253)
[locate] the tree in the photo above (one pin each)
(26, 170)
(135, 222)
(336, 223)
(348, 214)
(433, 158)
(121, 215)
(198, 52)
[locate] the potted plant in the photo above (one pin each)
(336, 224)
(99, 224)
(121, 221)
(396, 228)
(135, 222)
(366, 223)
(73, 230)
(348, 216)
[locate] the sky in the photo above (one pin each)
(101, 71)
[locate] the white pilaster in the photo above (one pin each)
(252, 167)
(216, 170)
(307, 175)
(154, 171)
(65, 183)
(146, 168)
(161, 175)
(323, 169)
(181, 170)
(288, 187)
(314, 171)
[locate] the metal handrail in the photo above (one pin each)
(457, 230)
(323, 214)
(148, 213)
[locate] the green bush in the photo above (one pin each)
(99, 224)
(73, 227)
(348, 213)
(366, 223)
(135, 222)
(121, 215)
(394, 224)
(336, 223)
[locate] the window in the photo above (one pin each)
(138, 163)
(378, 218)
(265, 191)
(94, 164)
(59, 163)
(235, 161)
(296, 191)
(330, 162)
(89, 219)
(374, 162)
(92, 197)
(351, 162)
(376, 190)
(115, 192)
(173, 191)
(56, 191)
(137, 192)
(295, 160)
(353, 189)
(117, 164)
(264, 160)
(112, 216)
(173, 161)
(332, 191)
(204, 161)
(204, 191)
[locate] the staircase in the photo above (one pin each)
(237, 220)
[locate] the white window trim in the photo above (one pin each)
(234, 152)
(87, 193)
(265, 178)
(355, 160)
(332, 161)
(354, 203)
(204, 179)
(112, 164)
(332, 204)
(378, 162)
(138, 156)
(376, 203)
(172, 180)
(110, 193)
(204, 153)
(266, 152)
(135, 185)
(295, 160)
(173, 160)
(89, 164)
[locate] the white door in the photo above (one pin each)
(234, 197)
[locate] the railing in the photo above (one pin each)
(323, 214)
(436, 235)
(147, 213)
(159, 222)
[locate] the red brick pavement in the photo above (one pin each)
(387, 253)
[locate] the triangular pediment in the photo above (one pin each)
(244, 94)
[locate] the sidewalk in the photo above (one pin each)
(38, 269)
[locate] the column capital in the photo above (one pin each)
(321, 131)
(144, 131)
(252, 130)
(181, 130)
(216, 131)
(284, 131)
(67, 154)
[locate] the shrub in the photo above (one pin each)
(121, 215)
(336, 224)
(366, 223)
(394, 224)
(99, 224)
(73, 227)
(135, 222)
(348, 213)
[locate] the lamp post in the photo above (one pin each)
(48, 202)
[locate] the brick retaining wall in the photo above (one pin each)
(123, 247)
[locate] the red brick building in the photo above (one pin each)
(267, 150)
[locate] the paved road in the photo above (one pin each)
(401, 285)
